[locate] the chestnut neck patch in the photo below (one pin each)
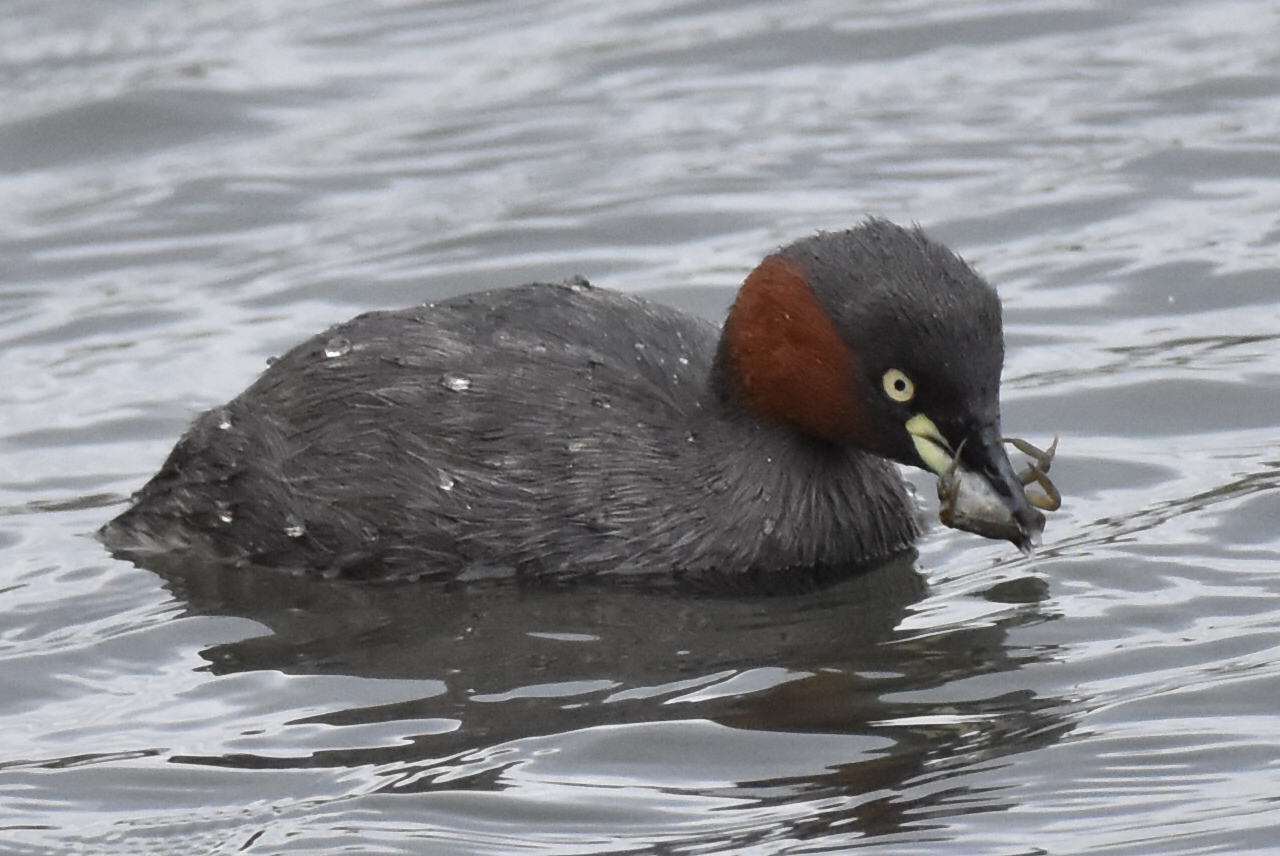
(785, 360)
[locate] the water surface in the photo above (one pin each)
(190, 188)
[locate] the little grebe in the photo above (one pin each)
(566, 430)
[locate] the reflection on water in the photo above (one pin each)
(503, 669)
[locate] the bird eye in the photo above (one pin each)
(898, 386)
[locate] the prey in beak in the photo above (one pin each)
(977, 485)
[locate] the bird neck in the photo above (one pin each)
(781, 359)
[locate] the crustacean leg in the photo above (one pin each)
(1037, 472)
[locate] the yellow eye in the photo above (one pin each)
(898, 386)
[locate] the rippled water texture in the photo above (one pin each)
(188, 188)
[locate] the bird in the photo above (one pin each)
(561, 431)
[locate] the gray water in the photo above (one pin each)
(190, 187)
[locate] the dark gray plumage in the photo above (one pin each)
(545, 430)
